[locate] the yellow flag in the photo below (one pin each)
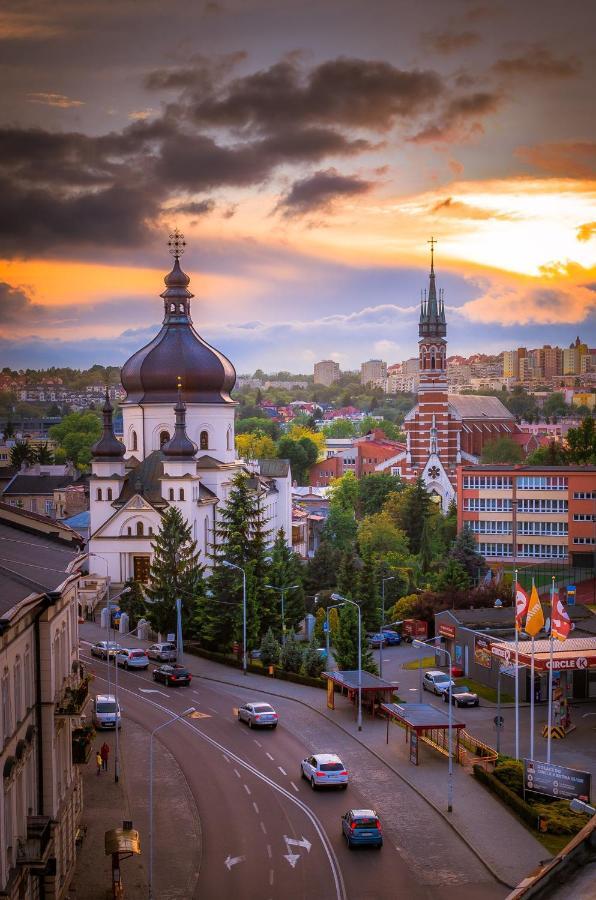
(535, 616)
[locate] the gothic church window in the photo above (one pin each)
(134, 441)
(99, 494)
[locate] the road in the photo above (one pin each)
(265, 832)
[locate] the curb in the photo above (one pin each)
(413, 787)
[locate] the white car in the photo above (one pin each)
(324, 770)
(106, 712)
(103, 649)
(132, 659)
(436, 681)
(164, 652)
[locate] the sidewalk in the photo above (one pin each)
(107, 803)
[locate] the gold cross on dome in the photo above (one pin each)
(176, 243)
(432, 243)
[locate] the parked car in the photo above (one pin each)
(172, 675)
(361, 827)
(376, 640)
(461, 695)
(436, 681)
(103, 649)
(164, 652)
(258, 715)
(393, 638)
(106, 712)
(324, 770)
(129, 658)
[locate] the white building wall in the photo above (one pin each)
(149, 421)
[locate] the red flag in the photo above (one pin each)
(560, 622)
(521, 605)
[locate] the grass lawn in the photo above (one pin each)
(554, 843)
(487, 693)
(425, 663)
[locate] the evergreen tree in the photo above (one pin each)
(426, 551)
(312, 662)
(340, 528)
(368, 594)
(286, 571)
(319, 633)
(44, 455)
(22, 452)
(411, 509)
(133, 603)
(321, 570)
(453, 577)
(291, 656)
(270, 649)
(175, 573)
(345, 649)
(347, 574)
(465, 552)
(333, 625)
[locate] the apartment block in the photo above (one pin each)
(326, 372)
(374, 370)
(530, 513)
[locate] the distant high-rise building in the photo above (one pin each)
(326, 372)
(572, 357)
(553, 361)
(510, 364)
(374, 370)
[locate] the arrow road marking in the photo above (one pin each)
(152, 691)
(292, 842)
(233, 861)
(292, 858)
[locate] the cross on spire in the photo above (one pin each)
(176, 243)
(432, 243)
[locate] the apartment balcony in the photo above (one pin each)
(82, 741)
(34, 851)
(73, 698)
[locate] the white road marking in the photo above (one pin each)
(269, 756)
(152, 691)
(292, 858)
(233, 861)
(212, 708)
(263, 829)
(283, 771)
(271, 876)
(227, 758)
(196, 693)
(258, 743)
(293, 842)
(295, 786)
(269, 851)
(255, 807)
(236, 772)
(247, 789)
(413, 689)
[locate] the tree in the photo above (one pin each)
(319, 631)
(345, 649)
(453, 577)
(426, 549)
(403, 608)
(175, 573)
(22, 452)
(409, 511)
(296, 432)
(256, 423)
(44, 455)
(134, 603)
(388, 428)
(302, 454)
(378, 535)
(343, 492)
(291, 656)
(555, 405)
(333, 624)
(287, 571)
(347, 574)
(321, 570)
(270, 649)
(8, 431)
(502, 450)
(255, 445)
(75, 435)
(554, 454)
(340, 528)
(312, 662)
(374, 489)
(581, 442)
(367, 593)
(339, 428)
(465, 552)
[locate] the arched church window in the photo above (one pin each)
(150, 530)
(99, 494)
(164, 437)
(129, 531)
(134, 441)
(172, 307)
(181, 307)
(139, 529)
(109, 493)
(204, 440)
(171, 494)
(181, 494)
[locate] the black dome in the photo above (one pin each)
(178, 351)
(108, 446)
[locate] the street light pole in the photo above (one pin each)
(383, 580)
(186, 712)
(232, 565)
(282, 591)
(422, 645)
(343, 601)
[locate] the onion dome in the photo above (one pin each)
(108, 446)
(180, 445)
(150, 375)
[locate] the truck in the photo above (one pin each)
(414, 628)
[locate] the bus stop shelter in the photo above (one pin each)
(425, 723)
(375, 690)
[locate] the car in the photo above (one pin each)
(392, 638)
(324, 770)
(258, 715)
(362, 827)
(436, 681)
(103, 649)
(172, 675)
(106, 712)
(130, 658)
(377, 640)
(164, 652)
(461, 695)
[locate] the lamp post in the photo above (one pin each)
(116, 695)
(422, 645)
(383, 580)
(342, 602)
(231, 565)
(125, 590)
(187, 712)
(282, 591)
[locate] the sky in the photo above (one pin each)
(307, 151)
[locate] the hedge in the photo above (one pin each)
(523, 809)
(235, 663)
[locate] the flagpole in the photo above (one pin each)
(550, 671)
(532, 692)
(516, 672)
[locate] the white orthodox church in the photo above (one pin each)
(178, 448)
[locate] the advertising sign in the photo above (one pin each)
(413, 748)
(446, 630)
(482, 654)
(330, 694)
(459, 655)
(556, 781)
(571, 595)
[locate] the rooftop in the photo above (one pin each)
(420, 716)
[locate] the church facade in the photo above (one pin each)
(443, 429)
(179, 446)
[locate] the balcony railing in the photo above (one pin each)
(73, 699)
(82, 740)
(34, 852)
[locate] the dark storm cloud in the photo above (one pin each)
(320, 191)
(16, 306)
(200, 208)
(451, 41)
(538, 62)
(461, 118)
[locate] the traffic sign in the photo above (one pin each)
(499, 721)
(325, 626)
(571, 595)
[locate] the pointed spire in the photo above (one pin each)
(180, 446)
(432, 318)
(108, 446)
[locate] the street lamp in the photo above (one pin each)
(125, 590)
(342, 602)
(422, 645)
(187, 712)
(282, 591)
(383, 580)
(231, 565)
(117, 746)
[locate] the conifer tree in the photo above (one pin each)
(345, 649)
(347, 576)
(414, 508)
(367, 593)
(286, 570)
(426, 553)
(321, 571)
(175, 573)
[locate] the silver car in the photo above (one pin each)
(103, 649)
(106, 712)
(324, 770)
(436, 681)
(164, 652)
(258, 715)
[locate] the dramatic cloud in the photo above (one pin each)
(199, 208)
(587, 231)
(575, 159)
(320, 192)
(15, 305)
(451, 41)
(59, 100)
(538, 62)
(460, 210)
(460, 120)
(546, 304)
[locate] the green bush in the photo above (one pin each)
(511, 773)
(523, 810)
(270, 649)
(291, 656)
(312, 662)
(559, 818)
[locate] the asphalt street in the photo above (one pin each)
(265, 832)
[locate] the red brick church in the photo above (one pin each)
(444, 429)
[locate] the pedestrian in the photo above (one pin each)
(105, 752)
(98, 760)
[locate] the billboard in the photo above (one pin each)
(556, 781)
(447, 630)
(482, 654)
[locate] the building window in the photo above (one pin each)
(139, 529)
(204, 440)
(181, 494)
(164, 437)
(109, 492)
(99, 495)
(129, 531)
(542, 506)
(541, 483)
(206, 534)
(583, 517)
(229, 439)
(487, 482)
(489, 527)
(6, 709)
(542, 551)
(49, 507)
(487, 504)
(584, 495)
(584, 540)
(559, 528)
(171, 494)
(495, 549)
(134, 441)
(150, 530)
(18, 690)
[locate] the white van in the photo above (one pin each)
(106, 712)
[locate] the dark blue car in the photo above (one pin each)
(361, 828)
(391, 637)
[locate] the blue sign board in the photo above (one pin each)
(325, 626)
(571, 595)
